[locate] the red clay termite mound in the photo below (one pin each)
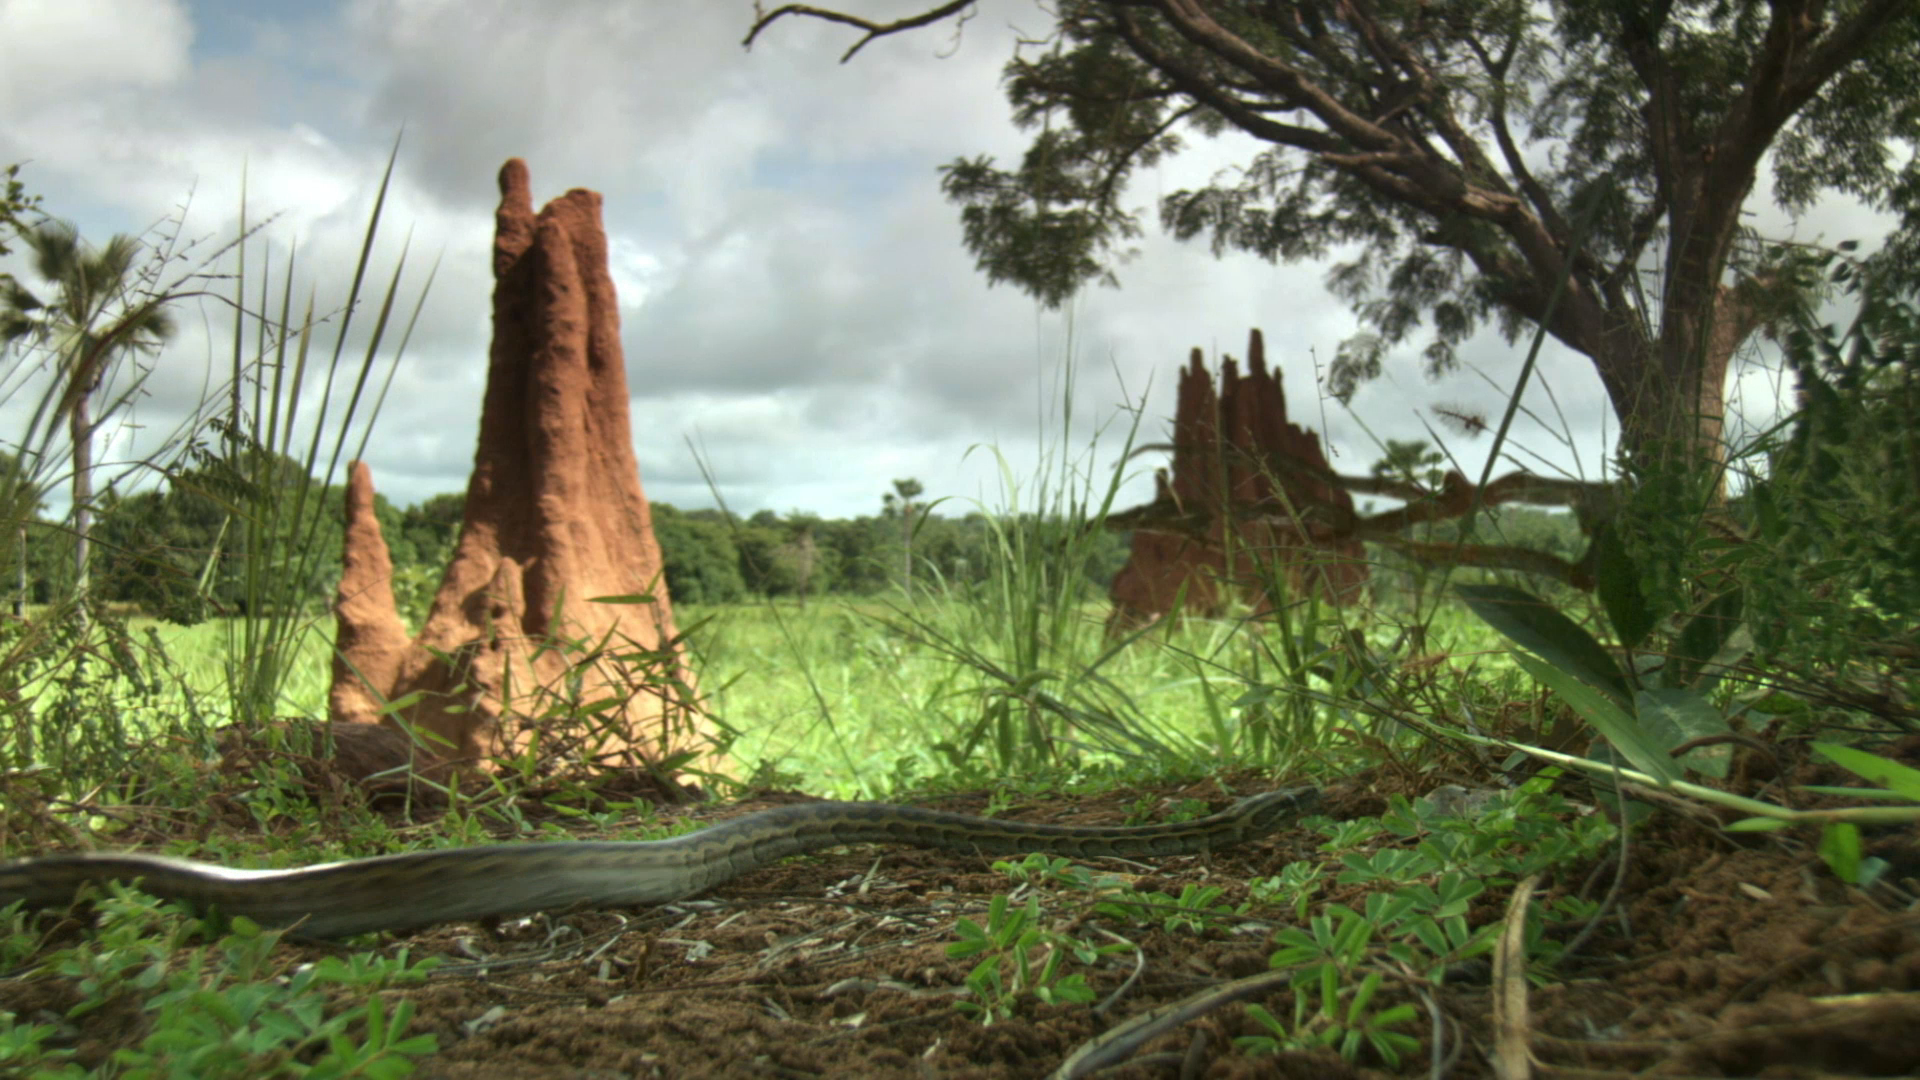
(555, 519)
(1239, 462)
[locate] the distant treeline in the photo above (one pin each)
(179, 552)
(713, 557)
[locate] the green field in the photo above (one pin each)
(851, 698)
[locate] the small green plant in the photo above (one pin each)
(1325, 955)
(1020, 957)
(220, 1010)
(23, 1045)
(1389, 866)
(1188, 810)
(1294, 886)
(1038, 869)
(1197, 909)
(1140, 810)
(1643, 725)
(1514, 834)
(1417, 925)
(1347, 835)
(1840, 840)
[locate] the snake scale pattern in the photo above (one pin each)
(420, 888)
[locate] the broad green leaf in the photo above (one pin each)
(1840, 847)
(1618, 583)
(1873, 768)
(1705, 634)
(1534, 625)
(1612, 721)
(1671, 717)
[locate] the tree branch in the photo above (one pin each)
(1394, 53)
(1668, 130)
(1843, 46)
(763, 19)
(1191, 83)
(1193, 23)
(1776, 87)
(1644, 225)
(1503, 137)
(1397, 170)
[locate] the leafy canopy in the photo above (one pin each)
(1451, 153)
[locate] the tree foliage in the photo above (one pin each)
(702, 565)
(181, 552)
(178, 551)
(1834, 513)
(1581, 166)
(14, 201)
(101, 309)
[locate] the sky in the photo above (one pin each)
(801, 322)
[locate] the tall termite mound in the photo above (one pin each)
(518, 636)
(1238, 464)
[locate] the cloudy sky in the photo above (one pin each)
(798, 310)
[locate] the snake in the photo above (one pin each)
(415, 889)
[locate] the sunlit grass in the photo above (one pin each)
(199, 654)
(835, 699)
(838, 702)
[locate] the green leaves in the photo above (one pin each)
(1644, 725)
(229, 1010)
(1617, 580)
(1536, 626)
(1415, 924)
(1840, 845)
(1325, 955)
(1019, 957)
(1895, 778)
(1615, 723)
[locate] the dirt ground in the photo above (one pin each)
(1736, 956)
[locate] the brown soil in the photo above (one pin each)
(1726, 960)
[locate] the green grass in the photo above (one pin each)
(201, 652)
(839, 699)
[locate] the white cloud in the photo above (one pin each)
(53, 49)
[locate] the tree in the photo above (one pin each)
(801, 556)
(1411, 462)
(432, 526)
(95, 317)
(899, 503)
(1834, 509)
(1488, 163)
(14, 201)
(701, 562)
(20, 506)
(855, 549)
(20, 496)
(184, 553)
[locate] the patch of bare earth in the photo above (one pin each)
(1725, 959)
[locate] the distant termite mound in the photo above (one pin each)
(1238, 463)
(515, 642)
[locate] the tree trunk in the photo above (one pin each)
(1670, 393)
(81, 428)
(20, 598)
(906, 548)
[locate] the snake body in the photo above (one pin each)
(420, 888)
